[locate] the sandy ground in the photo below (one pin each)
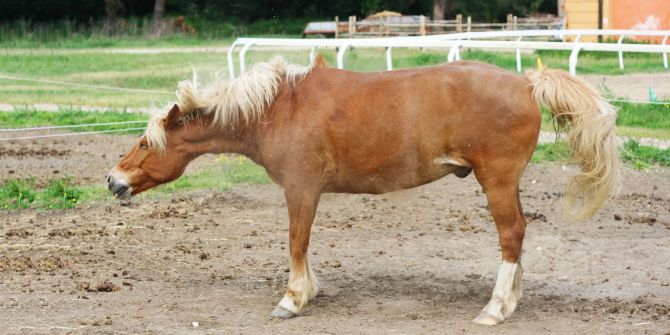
(634, 86)
(85, 158)
(420, 261)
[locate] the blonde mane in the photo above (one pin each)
(242, 100)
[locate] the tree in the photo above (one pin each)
(113, 8)
(159, 14)
(439, 7)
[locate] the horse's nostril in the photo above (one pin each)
(109, 179)
(122, 190)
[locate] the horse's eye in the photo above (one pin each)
(144, 146)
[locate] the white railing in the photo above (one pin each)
(454, 42)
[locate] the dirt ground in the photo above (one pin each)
(634, 86)
(421, 261)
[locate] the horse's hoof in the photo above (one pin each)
(282, 313)
(486, 319)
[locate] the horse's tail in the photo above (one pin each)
(590, 123)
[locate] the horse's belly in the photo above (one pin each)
(386, 179)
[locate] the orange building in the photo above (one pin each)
(616, 14)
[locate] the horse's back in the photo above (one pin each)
(384, 131)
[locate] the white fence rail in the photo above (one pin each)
(454, 42)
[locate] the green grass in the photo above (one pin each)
(638, 156)
(17, 193)
(163, 71)
(633, 120)
(29, 118)
(23, 193)
(226, 171)
(642, 157)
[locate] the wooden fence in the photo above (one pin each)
(420, 25)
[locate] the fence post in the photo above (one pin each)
(665, 53)
(388, 25)
(340, 56)
(515, 26)
(337, 26)
(620, 51)
(469, 23)
(242, 54)
(231, 63)
(454, 52)
(518, 56)
(573, 58)
(350, 29)
(459, 23)
(389, 59)
(509, 21)
(353, 20)
(422, 25)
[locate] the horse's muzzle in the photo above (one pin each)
(119, 188)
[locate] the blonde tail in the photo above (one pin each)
(590, 121)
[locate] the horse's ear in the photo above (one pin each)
(172, 117)
(320, 62)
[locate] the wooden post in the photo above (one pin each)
(469, 23)
(515, 27)
(459, 23)
(388, 25)
(353, 20)
(350, 29)
(422, 25)
(510, 18)
(337, 26)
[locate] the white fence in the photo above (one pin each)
(474, 40)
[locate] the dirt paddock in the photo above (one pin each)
(421, 261)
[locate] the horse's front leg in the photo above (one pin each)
(302, 283)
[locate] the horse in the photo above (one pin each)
(317, 130)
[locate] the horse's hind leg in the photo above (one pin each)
(502, 191)
(302, 283)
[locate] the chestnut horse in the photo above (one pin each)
(317, 129)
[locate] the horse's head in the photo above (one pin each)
(160, 156)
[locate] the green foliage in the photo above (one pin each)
(498, 10)
(636, 155)
(227, 170)
(241, 170)
(24, 193)
(60, 193)
(642, 157)
(17, 193)
(655, 116)
(31, 117)
(56, 21)
(552, 152)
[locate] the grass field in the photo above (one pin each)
(163, 71)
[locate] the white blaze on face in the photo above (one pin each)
(118, 176)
